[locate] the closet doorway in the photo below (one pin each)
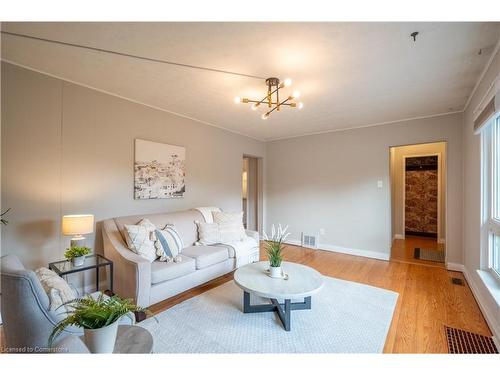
(418, 203)
(251, 192)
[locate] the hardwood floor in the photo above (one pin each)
(403, 250)
(427, 298)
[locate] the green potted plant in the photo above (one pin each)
(99, 319)
(77, 254)
(274, 246)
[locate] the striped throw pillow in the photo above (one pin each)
(168, 244)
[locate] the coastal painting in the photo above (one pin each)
(159, 170)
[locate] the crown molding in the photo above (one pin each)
(481, 76)
(364, 126)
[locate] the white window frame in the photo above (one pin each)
(490, 219)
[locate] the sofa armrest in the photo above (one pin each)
(132, 273)
(253, 234)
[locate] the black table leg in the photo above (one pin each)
(111, 278)
(97, 279)
(287, 321)
(282, 309)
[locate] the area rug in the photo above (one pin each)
(346, 317)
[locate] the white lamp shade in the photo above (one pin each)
(77, 224)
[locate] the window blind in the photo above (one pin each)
(488, 106)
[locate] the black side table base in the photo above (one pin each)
(140, 316)
(282, 309)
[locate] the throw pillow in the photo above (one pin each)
(58, 290)
(230, 226)
(140, 239)
(168, 244)
(208, 233)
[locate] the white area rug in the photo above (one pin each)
(346, 317)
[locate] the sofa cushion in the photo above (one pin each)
(230, 226)
(206, 256)
(168, 243)
(164, 271)
(139, 239)
(208, 233)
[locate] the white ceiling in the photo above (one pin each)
(350, 74)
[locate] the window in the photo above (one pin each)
(491, 195)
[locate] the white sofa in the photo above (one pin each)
(149, 283)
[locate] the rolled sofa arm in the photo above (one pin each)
(132, 273)
(253, 234)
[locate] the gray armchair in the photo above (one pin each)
(27, 320)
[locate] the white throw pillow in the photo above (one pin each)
(168, 244)
(58, 290)
(230, 226)
(140, 239)
(208, 233)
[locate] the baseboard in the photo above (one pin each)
(455, 267)
(488, 315)
(346, 250)
(358, 252)
(399, 236)
(294, 242)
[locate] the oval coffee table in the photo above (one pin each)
(302, 283)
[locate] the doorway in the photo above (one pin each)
(250, 192)
(418, 203)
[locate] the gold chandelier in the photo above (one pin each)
(272, 99)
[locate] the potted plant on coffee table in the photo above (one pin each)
(99, 318)
(274, 246)
(77, 254)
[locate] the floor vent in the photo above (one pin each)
(464, 342)
(457, 281)
(309, 241)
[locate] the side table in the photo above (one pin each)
(96, 261)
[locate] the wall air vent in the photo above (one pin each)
(309, 241)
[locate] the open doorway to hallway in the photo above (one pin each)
(418, 203)
(250, 192)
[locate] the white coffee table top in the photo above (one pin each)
(302, 281)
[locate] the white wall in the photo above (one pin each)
(472, 202)
(68, 149)
(330, 181)
(399, 185)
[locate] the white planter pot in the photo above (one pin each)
(78, 261)
(101, 340)
(275, 272)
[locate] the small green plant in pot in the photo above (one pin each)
(99, 319)
(274, 246)
(77, 254)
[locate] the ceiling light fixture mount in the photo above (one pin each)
(272, 99)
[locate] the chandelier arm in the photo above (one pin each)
(278, 99)
(273, 103)
(264, 98)
(278, 104)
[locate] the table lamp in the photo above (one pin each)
(76, 226)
